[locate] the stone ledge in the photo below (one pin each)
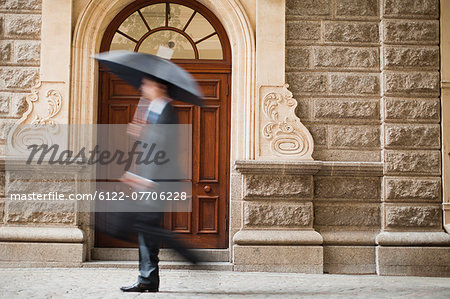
(41, 234)
(31, 264)
(413, 239)
(33, 252)
(358, 238)
(278, 167)
(310, 167)
(277, 237)
(12, 164)
(352, 169)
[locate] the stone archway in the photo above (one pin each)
(86, 42)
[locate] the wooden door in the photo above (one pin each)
(206, 225)
(201, 47)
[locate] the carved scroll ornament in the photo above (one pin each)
(287, 136)
(33, 128)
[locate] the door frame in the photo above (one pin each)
(445, 108)
(192, 66)
(95, 16)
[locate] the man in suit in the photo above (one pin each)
(159, 111)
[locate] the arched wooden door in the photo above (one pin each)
(202, 48)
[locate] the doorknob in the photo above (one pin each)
(207, 188)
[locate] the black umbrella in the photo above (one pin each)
(132, 67)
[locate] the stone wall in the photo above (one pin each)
(366, 75)
(411, 115)
(333, 69)
(352, 64)
(20, 33)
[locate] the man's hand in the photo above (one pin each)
(134, 181)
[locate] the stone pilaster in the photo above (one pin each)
(347, 197)
(42, 233)
(412, 200)
(35, 47)
(276, 230)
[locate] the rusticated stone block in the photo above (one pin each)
(344, 109)
(18, 105)
(297, 57)
(21, 4)
(303, 30)
(411, 7)
(303, 108)
(354, 84)
(413, 216)
(18, 77)
(346, 215)
(5, 51)
(354, 136)
(411, 57)
(353, 155)
(349, 259)
(274, 185)
(278, 215)
(2, 184)
(307, 83)
(308, 7)
(27, 52)
(45, 174)
(356, 8)
(25, 26)
(319, 134)
(28, 182)
(1, 26)
(5, 126)
(412, 109)
(418, 261)
(412, 162)
(4, 103)
(411, 82)
(427, 136)
(359, 188)
(305, 259)
(40, 212)
(417, 31)
(2, 211)
(398, 189)
(356, 32)
(345, 57)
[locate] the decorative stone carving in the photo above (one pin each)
(35, 125)
(283, 135)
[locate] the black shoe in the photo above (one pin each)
(140, 287)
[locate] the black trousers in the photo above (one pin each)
(149, 248)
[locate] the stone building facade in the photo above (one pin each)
(360, 184)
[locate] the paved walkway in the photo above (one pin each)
(105, 283)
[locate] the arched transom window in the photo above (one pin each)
(184, 30)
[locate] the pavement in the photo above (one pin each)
(105, 283)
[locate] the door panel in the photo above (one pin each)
(206, 225)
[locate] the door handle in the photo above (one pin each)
(207, 189)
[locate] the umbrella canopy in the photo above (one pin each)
(132, 67)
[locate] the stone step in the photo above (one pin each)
(131, 254)
(216, 266)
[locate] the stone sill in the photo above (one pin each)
(329, 168)
(20, 164)
(277, 237)
(413, 239)
(41, 234)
